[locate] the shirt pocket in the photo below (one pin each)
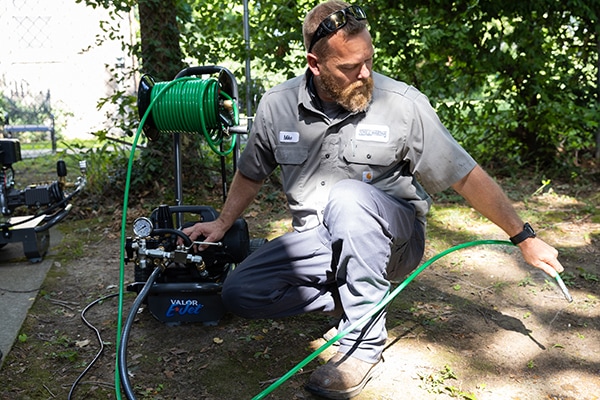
(291, 155)
(380, 154)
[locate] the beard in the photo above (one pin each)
(354, 98)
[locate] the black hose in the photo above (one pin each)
(100, 342)
(122, 352)
(162, 231)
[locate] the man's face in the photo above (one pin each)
(345, 74)
(354, 96)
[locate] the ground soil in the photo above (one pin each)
(477, 324)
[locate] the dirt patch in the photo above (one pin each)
(477, 324)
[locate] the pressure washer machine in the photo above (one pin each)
(187, 286)
(177, 282)
(46, 203)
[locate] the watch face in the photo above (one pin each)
(529, 229)
(142, 227)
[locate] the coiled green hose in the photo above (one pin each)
(192, 105)
(165, 89)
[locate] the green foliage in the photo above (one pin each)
(214, 34)
(515, 83)
(104, 165)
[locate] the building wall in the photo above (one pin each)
(51, 45)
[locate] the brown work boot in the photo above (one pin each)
(343, 377)
(330, 334)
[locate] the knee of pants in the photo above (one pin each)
(350, 191)
(348, 198)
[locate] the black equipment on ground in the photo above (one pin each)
(178, 283)
(47, 201)
(188, 289)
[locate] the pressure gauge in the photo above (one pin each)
(142, 227)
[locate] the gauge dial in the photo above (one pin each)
(142, 227)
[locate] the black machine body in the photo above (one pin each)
(188, 288)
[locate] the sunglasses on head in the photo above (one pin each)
(336, 21)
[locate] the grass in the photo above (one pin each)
(40, 170)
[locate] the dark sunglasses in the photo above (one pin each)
(336, 21)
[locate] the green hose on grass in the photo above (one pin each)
(383, 303)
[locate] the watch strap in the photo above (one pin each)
(526, 233)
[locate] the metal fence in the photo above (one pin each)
(28, 116)
(58, 65)
(26, 113)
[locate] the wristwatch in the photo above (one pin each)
(526, 233)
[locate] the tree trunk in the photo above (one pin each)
(161, 53)
(162, 59)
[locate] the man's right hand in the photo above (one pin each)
(211, 231)
(243, 190)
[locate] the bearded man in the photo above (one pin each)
(359, 153)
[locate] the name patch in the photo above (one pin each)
(289, 137)
(373, 133)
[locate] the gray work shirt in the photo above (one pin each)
(397, 145)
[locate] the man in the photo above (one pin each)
(358, 152)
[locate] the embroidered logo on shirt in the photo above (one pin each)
(367, 176)
(289, 137)
(373, 133)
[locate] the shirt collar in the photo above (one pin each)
(308, 93)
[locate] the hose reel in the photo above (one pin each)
(190, 104)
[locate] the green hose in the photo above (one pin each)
(381, 305)
(175, 92)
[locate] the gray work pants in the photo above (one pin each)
(344, 265)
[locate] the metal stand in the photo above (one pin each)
(229, 85)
